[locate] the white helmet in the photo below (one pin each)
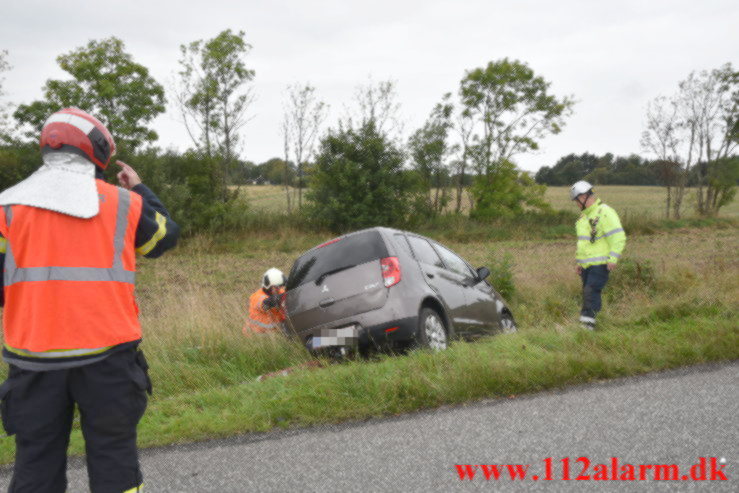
(273, 278)
(580, 188)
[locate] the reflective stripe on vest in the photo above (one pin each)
(260, 324)
(115, 273)
(57, 353)
(592, 259)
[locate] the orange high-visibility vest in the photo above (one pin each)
(262, 321)
(69, 282)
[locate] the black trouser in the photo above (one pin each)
(594, 279)
(38, 408)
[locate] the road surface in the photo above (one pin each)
(673, 417)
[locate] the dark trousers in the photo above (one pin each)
(38, 408)
(594, 279)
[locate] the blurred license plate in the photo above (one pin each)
(345, 336)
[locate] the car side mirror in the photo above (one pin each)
(482, 273)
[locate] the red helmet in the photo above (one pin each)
(79, 132)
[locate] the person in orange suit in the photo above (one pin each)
(266, 314)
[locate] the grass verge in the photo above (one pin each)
(530, 361)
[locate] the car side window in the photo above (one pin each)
(424, 252)
(453, 261)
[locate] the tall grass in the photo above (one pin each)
(194, 302)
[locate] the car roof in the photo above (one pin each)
(383, 230)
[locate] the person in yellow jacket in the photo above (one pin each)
(265, 311)
(600, 242)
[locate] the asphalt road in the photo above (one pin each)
(673, 417)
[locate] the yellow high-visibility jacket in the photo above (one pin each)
(600, 237)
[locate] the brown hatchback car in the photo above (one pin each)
(383, 287)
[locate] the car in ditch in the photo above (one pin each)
(387, 288)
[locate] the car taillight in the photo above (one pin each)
(390, 271)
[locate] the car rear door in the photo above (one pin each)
(336, 280)
(447, 284)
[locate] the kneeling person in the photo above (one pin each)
(265, 313)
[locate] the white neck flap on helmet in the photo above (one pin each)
(65, 183)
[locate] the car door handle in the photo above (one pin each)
(326, 302)
(429, 275)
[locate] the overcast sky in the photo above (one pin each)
(613, 57)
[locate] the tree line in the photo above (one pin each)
(360, 170)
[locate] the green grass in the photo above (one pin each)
(502, 366)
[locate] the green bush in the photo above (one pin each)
(192, 189)
(501, 274)
(17, 163)
(506, 192)
(358, 181)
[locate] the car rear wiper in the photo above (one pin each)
(333, 271)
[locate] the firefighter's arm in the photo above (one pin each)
(614, 235)
(3, 249)
(156, 231)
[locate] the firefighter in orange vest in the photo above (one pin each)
(265, 311)
(71, 330)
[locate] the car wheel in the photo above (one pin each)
(507, 324)
(431, 331)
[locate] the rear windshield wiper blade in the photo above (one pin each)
(333, 271)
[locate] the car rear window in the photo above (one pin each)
(335, 255)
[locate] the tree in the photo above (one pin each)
(512, 109)
(358, 181)
(213, 96)
(276, 171)
(694, 127)
(377, 104)
(107, 83)
(661, 139)
(4, 107)
(722, 177)
(304, 115)
(429, 149)
(464, 128)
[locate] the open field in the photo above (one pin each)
(645, 202)
(674, 301)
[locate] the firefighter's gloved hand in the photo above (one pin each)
(271, 302)
(127, 177)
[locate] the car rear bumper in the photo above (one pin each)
(389, 334)
(369, 332)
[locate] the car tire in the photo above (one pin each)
(431, 332)
(507, 324)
